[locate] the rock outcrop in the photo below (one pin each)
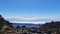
(6, 27)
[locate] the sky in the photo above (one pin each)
(30, 11)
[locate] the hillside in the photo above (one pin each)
(6, 27)
(52, 24)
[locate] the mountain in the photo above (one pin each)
(7, 27)
(27, 25)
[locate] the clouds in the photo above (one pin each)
(35, 20)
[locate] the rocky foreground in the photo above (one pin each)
(49, 28)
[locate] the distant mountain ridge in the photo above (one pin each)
(27, 25)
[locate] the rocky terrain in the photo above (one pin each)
(48, 28)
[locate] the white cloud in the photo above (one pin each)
(35, 20)
(28, 22)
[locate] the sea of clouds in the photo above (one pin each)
(33, 20)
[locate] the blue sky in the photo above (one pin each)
(45, 10)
